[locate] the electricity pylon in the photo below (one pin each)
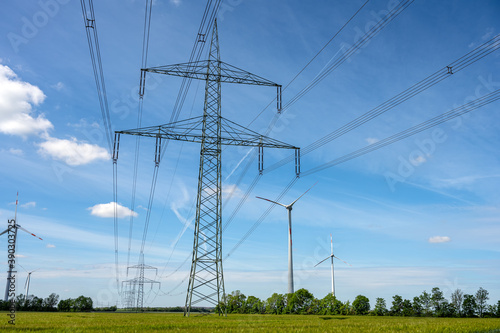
(206, 280)
(138, 284)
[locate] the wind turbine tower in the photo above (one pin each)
(12, 229)
(290, 258)
(331, 256)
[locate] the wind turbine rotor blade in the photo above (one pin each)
(29, 232)
(341, 260)
(302, 195)
(3, 232)
(274, 202)
(331, 255)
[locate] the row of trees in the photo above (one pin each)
(50, 303)
(427, 304)
(78, 304)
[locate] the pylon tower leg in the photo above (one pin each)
(206, 280)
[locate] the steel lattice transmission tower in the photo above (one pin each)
(136, 285)
(206, 280)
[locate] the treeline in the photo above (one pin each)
(48, 304)
(426, 305)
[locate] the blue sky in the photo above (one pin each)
(421, 213)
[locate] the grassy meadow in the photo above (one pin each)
(160, 322)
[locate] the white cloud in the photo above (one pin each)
(439, 239)
(71, 151)
(15, 151)
(176, 3)
(29, 204)
(108, 210)
(50, 246)
(58, 86)
(16, 106)
(487, 35)
(20, 256)
(371, 140)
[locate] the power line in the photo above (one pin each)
(360, 43)
(312, 59)
(95, 56)
(466, 108)
(445, 72)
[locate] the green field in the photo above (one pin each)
(160, 322)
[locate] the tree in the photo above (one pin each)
(481, 298)
(299, 302)
(437, 299)
(235, 302)
(49, 303)
(446, 309)
(457, 298)
(36, 304)
(397, 305)
(346, 308)
(380, 307)
(330, 305)
(417, 306)
(82, 303)
(21, 303)
(361, 305)
(275, 304)
(425, 298)
(406, 308)
(253, 305)
(469, 306)
(64, 305)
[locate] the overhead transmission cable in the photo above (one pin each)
(362, 42)
(312, 59)
(144, 60)
(461, 63)
(95, 56)
(445, 72)
(97, 68)
(382, 23)
(466, 108)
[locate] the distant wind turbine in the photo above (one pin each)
(27, 283)
(331, 256)
(15, 226)
(28, 279)
(290, 259)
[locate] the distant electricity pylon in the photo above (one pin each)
(206, 280)
(136, 286)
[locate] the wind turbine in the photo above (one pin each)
(290, 259)
(14, 226)
(28, 279)
(331, 256)
(27, 283)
